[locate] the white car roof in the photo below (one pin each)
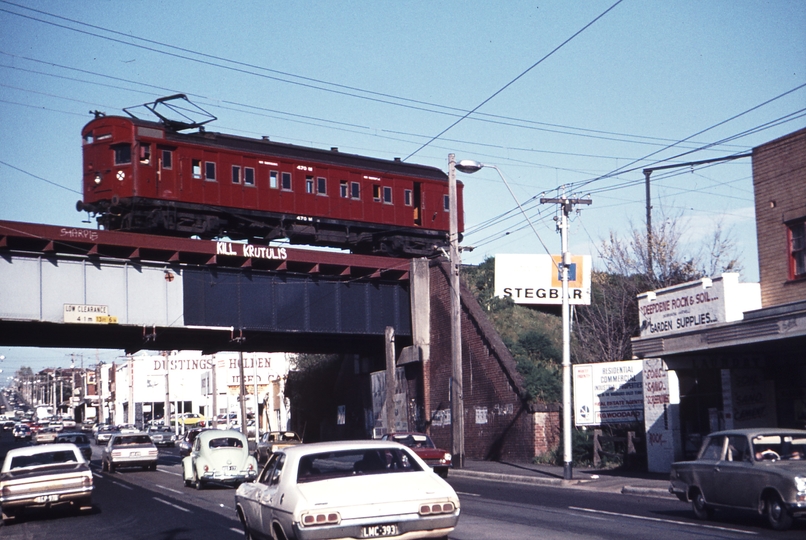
(336, 446)
(41, 449)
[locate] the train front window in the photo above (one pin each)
(167, 159)
(123, 154)
(343, 189)
(273, 179)
(209, 171)
(196, 168)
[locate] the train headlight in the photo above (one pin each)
(97, 178)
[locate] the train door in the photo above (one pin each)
(167, 173)
(416, 203)
(250, 186)
(210, 183)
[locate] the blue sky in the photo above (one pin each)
(644, 84)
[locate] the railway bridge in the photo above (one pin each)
(74, 287)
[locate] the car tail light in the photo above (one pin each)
(153, 452)
(206, 468)
(437, 508)
(116, 453)
(324, 518)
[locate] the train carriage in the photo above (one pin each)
(147, 176)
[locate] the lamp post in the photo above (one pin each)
(457, 397)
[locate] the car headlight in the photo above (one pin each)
(800, 483)
(447, 457)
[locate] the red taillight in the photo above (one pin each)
(331, 518)
(436, 508)
(206, 468)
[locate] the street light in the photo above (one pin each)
(457, 397)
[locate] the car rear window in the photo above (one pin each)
(225, 442)
(354, 463)
(42, 459)
(139, 439)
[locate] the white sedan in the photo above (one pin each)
(219, 457)
(349, 489)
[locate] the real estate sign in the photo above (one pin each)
(608, 393)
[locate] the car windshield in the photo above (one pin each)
(42, 459)
(161, 430)
(779, 447)
(225, 442)
(414, 441)
(347, 463)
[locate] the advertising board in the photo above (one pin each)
(535, 279)
(608, 393)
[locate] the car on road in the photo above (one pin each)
(44, 476)
(219, 457)
(45, 435)
(192, 420)
(104, 433)
(348, 489)
(129, 450)
(81, 440)
(760, 469)
(21, 432)
(436, 458)
(162, 436)
(186, 443)
(272, 441)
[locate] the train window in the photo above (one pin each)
(145, 154)
(387, 194)
(321, 187)
(343, 191)
(88, 138)
(249, 176)
(236, 174)
(273, 179)
(407, 197)
(209, 171)
(355, 192)
(309, 184)
(376, 193)
(446, 203)
(123, 154)
(196, 168)
(286, 181)
(167, 159)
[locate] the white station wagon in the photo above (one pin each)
(350, 489)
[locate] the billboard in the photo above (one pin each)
(536, 279)
(608, 393)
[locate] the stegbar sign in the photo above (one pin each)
(536, 279)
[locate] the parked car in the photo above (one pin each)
(129, 450)
(192, 420)
(350, 489)
(186, 443)
(81, 440)
(104, 433)
(87, 426)
(42, 477)
(128, 428)
(220, 457)
(436, 458)
(273, 441)
(761, 470)
(162, 436)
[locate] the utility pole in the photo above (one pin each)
(566, 205)
(457, 397)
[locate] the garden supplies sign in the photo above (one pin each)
(536, 279)
(608, 393)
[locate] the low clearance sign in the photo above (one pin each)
(536, 279)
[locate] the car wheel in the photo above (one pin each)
(103, 466)
(111, 467)
(778, 516)
(700, 508)
(198, 482)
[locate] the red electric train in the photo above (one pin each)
(147, 176)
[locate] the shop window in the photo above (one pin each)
(387, 195)
(249, 176)
(273, 179)
(145, 154)
(209, 171)
(196, 168)
(167, 159)
(286, 181)
(797, 252)
(355, 190)
(123, 154)
(236, 174)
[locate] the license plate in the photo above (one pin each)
(46, 498)
(134, 454)
(378, 531)
(229, 467)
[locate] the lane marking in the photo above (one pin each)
(233, 529)
(170, 489)
(123, 485)
(468, 494)
(163, 501)
(661, 520)
(169, 472)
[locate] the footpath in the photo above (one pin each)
(603, 480)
